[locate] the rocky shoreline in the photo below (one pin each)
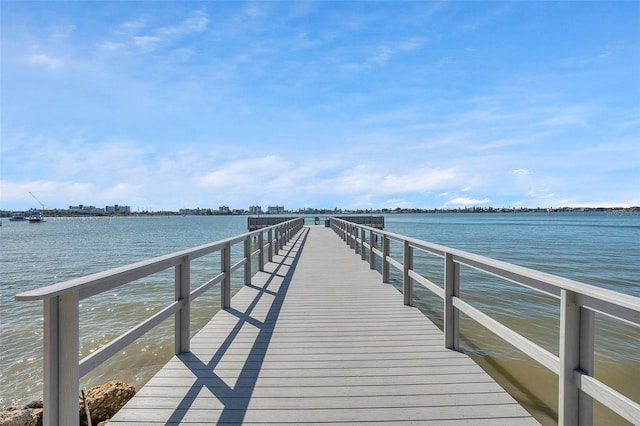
(104, 401)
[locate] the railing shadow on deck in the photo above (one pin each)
(235, 399)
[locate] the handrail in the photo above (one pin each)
(62, 365)
(578, 303)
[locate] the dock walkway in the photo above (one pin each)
(322, 340)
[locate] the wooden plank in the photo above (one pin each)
(329, 391)
(322, 341)
(206, 400)
(186, 415)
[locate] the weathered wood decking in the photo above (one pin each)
(320, 341)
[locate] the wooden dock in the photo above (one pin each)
(322, 340)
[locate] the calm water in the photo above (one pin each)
(595, 248)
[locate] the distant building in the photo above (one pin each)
(224, 210)
(255, 210)
(275, 210)
(81, 209)
(118, 209)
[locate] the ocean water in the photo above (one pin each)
(600, 249)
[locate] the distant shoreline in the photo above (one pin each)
(622, 211)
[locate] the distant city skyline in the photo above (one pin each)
(164, 105)
(275, 210)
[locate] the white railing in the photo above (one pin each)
(578, 303)
(62, 365)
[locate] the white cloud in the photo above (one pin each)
(111, 45)
(521, 172)
(411, 44)
(254, 10)
(540, 194)
(373, 180)
(132, 26)
(570, 116)
(385, 52)
(44, 60)
(466, 201)
(146, 42)
(249, 175)
(139, 35)
(197, 22)
(397, 202)
(53, 194)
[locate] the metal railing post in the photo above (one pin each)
(354, 237)
(281, 236)
(406, 280)
(372, 256)
(587, 350)
(261, 250)
(576, 352)
(182, 318)
(568, 394)
(247, 256)
(346, 234)
(385, 261)
(61, 359)
(285, 234)
(363, 240)
(270, 242)
(225, 287)
(451, 314)
(50, 364)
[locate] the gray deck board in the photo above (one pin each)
(323, 340)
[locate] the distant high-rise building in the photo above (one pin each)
(275, 210)
(118, 209)
(255, 210)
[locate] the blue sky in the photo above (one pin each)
(168, 105)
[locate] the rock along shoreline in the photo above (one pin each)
(104, 401)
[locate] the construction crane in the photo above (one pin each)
(35, 198)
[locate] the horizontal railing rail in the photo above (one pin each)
(367, 220)
(62, 365)
(257, 222)
(578, 303)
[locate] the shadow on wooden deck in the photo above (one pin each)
(236, 399)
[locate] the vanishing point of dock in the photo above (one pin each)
(322, 340)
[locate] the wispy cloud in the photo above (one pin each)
(196, 23)
(466, 201)
(44, 60)
(141, 35)
(485, 18)
(521, 172)
(381, 54)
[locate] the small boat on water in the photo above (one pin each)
(17, 218)
(36, 218)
